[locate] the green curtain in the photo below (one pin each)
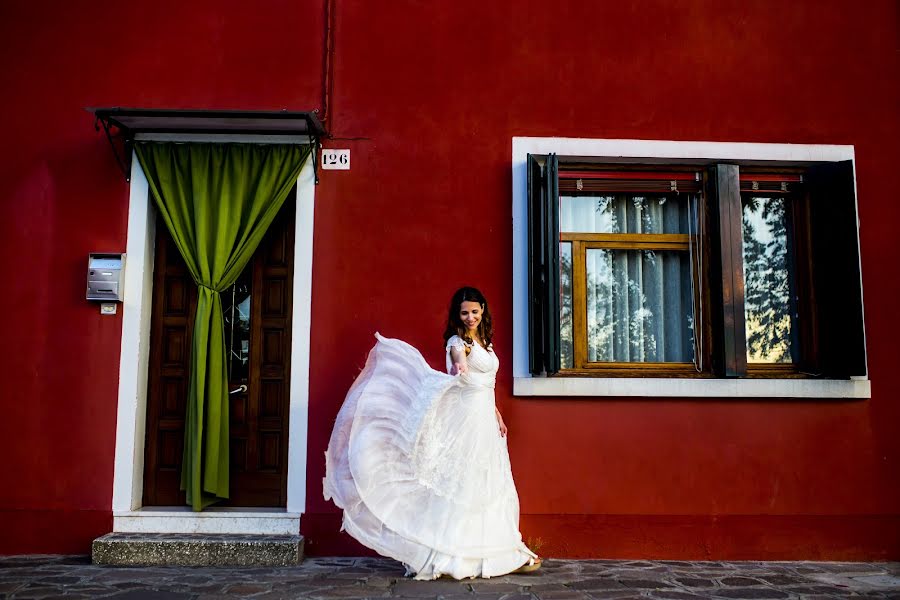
(217, 201)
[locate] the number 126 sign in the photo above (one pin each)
(337, 160)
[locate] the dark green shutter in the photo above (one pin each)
(551, 260)
(543, 265)
(839, 328)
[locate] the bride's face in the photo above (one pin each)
(470, 314)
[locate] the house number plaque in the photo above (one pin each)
(335, 160)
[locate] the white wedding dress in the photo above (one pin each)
(417, 462)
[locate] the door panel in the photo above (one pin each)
(258, 333)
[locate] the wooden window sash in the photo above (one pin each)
(640, 366)
(581, 243)
(579, 302)
(643, 239)
(807, 320)
(669, 246)
(771, 370)
(807, 363)
(645, 371)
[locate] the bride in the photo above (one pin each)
(418, 459)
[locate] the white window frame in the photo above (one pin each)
(128, 478)
(658, 152)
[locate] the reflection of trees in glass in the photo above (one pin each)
(767, 286)
(566, 324)
(605, 205)
(642, 218)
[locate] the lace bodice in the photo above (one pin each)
(483, 364)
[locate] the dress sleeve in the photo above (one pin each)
(455, 342)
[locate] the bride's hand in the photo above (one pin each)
(459, 368)
(501, 424)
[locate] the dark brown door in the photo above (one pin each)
(257, 337)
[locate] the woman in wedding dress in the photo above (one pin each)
(418, 459)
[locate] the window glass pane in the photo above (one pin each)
(639, 306)
(624, 213)
(769, 299)
(566, 326)
(236, 309)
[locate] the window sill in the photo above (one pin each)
(691, 388)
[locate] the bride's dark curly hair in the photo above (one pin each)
(456, 327)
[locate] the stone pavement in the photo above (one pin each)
(326, 578)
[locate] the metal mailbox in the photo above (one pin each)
(106, 277)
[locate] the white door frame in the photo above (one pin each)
(128, 477)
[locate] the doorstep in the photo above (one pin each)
(197, 549)
(181, 519)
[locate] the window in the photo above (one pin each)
(626, 278)
(703, 268)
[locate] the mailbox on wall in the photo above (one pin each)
(106, 277)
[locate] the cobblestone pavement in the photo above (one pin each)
(325, 578)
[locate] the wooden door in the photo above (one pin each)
(257, 334)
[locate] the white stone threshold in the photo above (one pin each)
(691, 388)
(177, 519)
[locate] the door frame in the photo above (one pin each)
(128, 476)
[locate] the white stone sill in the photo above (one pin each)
(176, 519)
(691, 388)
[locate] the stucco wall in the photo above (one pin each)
(428, 97)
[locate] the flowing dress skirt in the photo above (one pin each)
(417, 463)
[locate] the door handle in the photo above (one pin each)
(240, 389)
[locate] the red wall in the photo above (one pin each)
(62, 196)
(428, 96)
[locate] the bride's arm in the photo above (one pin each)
(458, 360)
(500, 423)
